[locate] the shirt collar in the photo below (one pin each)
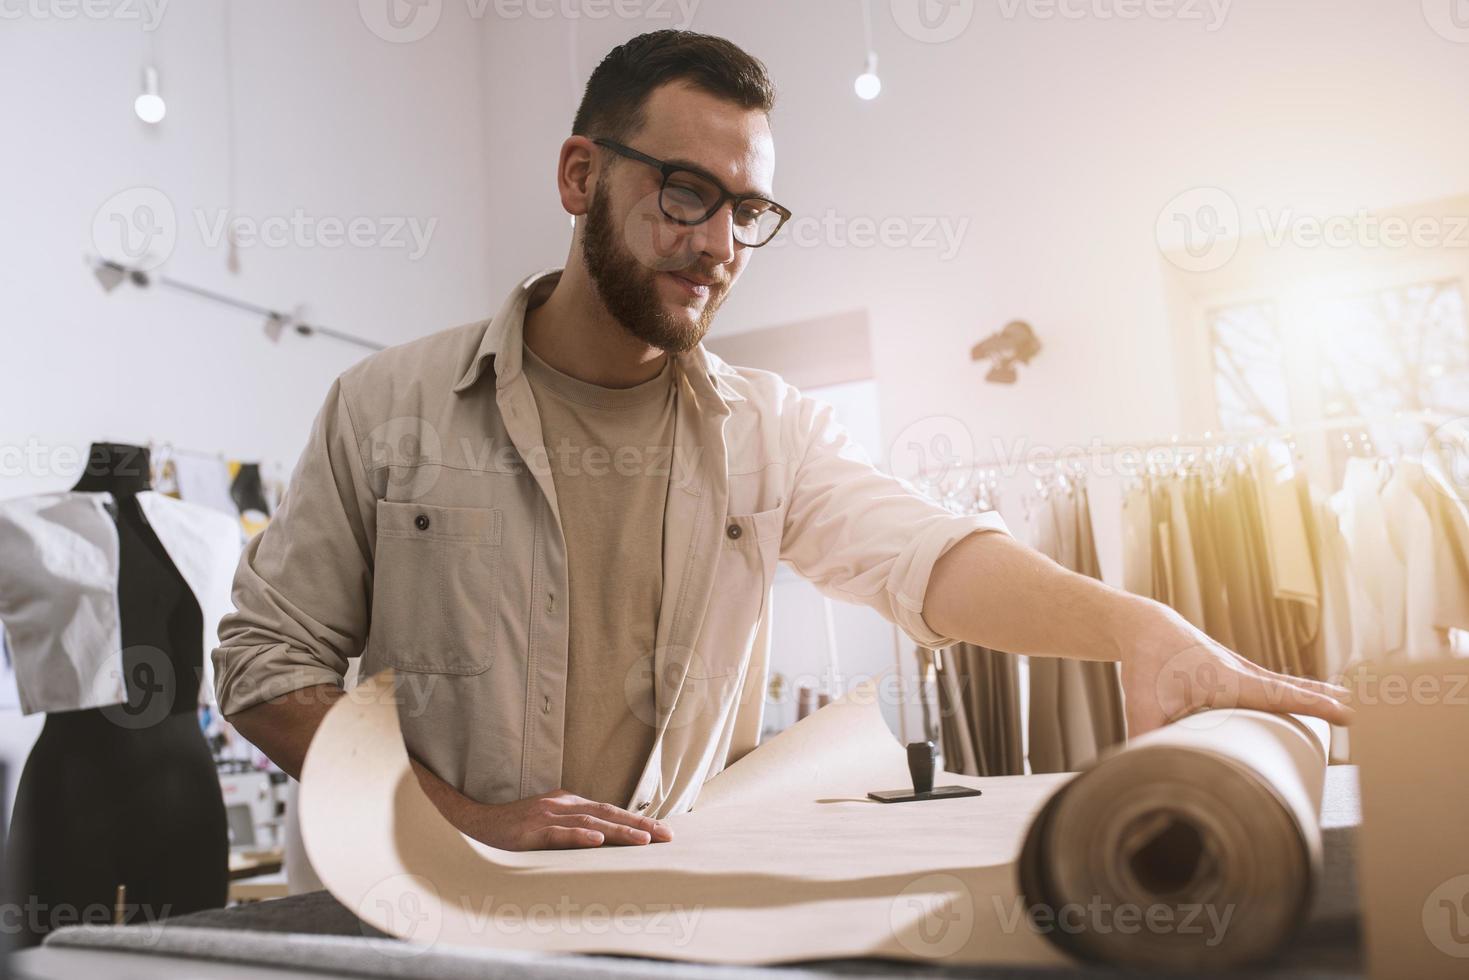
(501, 346)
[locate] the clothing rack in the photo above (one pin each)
(111, 274)
(1069, 461)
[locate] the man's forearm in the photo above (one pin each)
(993, 591)
(282, 728)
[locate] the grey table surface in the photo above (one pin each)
(314, 936)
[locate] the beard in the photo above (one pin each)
(629, 290)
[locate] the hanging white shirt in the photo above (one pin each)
(59, 564)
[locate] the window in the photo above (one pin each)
(1372, 353)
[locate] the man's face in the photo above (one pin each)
(664, 281)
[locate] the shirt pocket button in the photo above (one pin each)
(421, 522)
(733, 531)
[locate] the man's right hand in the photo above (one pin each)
(557, 820)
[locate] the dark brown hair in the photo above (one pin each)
(612, 106)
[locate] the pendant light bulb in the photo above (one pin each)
(149, 106)
(868, 85)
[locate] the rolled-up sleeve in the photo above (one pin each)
(862, 535)
(303, 587)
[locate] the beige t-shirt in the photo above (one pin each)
(609, 451)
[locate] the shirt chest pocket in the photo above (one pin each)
(436, 579)
(748, 557)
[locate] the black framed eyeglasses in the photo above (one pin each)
(691, 197)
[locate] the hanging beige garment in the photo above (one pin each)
(1208, 560)
(1411, 532)
(1252, 596)
(1339, 590)
(1137, 548)
(979, 702)
(1188, 599)
(1234, 567)
(1075, 706)
(1377, 620)
(1286, 543)
(1307, 616)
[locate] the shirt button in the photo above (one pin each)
(550, 602)
(733, 531)
(421, 522)
(546, 707)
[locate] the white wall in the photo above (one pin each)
(1053, 143)
(332, 120)
(1059, 142)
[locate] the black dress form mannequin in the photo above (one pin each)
(126, 794)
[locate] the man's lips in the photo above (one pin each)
(694, 286)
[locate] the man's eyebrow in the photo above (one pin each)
(683, 164)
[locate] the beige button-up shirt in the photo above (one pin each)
(420, 532)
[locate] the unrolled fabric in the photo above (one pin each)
(784, 859)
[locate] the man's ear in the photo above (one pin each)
(576, 174)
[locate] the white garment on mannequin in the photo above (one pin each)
(58, 590)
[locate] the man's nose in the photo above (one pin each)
(715, 237)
